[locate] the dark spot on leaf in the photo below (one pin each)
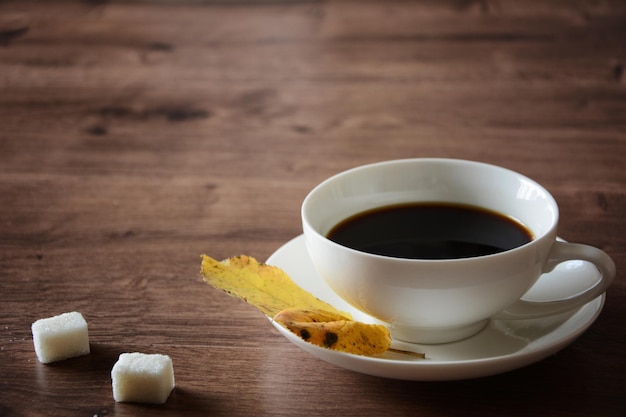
(330, 339)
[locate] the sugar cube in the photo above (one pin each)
(142, 378)
(60, 337)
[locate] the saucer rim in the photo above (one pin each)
(438, 370)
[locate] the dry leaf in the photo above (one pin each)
(266, 287)
(270, 289)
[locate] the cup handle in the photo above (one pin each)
(561, 252)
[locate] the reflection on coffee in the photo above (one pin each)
(430, 231)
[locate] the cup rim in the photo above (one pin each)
(550, 233)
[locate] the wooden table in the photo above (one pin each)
(137, 135)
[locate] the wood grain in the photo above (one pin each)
(136, 135)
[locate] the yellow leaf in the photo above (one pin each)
(272, 291)
(266, 287)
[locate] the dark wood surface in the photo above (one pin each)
(137, 135)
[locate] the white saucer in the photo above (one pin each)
(502, 346)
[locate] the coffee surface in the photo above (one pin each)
(430, 231)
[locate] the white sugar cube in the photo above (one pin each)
(142, 378)
(60, 337)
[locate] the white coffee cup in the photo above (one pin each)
(438, 301)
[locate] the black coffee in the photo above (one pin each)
(430, 231)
